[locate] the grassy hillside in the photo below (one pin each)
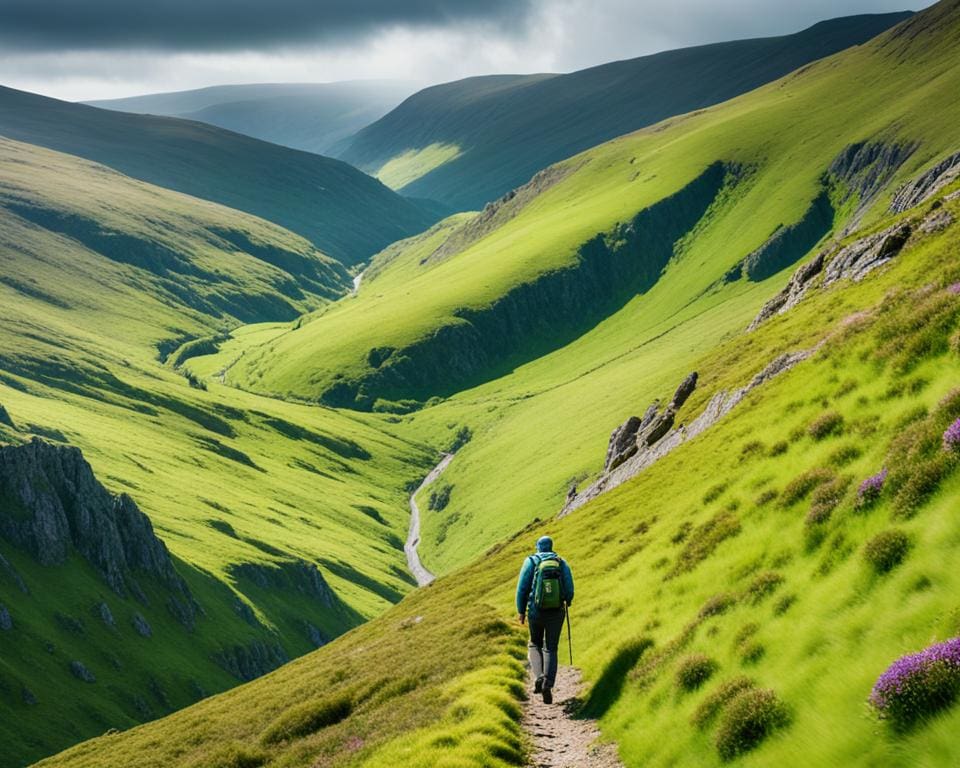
(746, 551)
(343, 212)
(309, 116)
(642, 235)
(468, 142)
(104, 278)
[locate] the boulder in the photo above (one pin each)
(141, 625)
(792, 293)
(79, 671)
(684, 391)
(106, 615)
(622, 444)
(657, 428)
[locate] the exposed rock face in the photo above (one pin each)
(927, 184)
(289, 575)
(936, 221)
(247, 662)
(57, 505)
(623, 443)
(791, 243)
(794, 291)
(6, 623)
(685, 390)
(668, 440)
(142, 626)
(106, 615)
(856, 260)
(79, 671)
(864, 169)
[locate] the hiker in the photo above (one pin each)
(544, 590)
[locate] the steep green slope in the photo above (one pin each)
(469, 142)
(655, 223)
(343, 212)
(747, 545)
(308, 116)
(285, 522)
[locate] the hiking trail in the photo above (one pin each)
(559, 739)
(420, 573)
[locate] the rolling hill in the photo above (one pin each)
(469, 142)
(313, 117)
(284, 524)
(343, 212)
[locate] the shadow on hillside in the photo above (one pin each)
(609, 685)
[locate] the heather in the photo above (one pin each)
(918, 685)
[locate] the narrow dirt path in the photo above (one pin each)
(420, 573)
(559, 739)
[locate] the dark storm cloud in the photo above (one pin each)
(204, 25)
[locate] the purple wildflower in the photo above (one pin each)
(871, 488)
(954, 289)
(951, 438)
(918, 684)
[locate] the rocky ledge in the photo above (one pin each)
(53, 504)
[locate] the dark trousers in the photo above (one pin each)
(545, 630)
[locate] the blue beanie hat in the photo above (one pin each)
(544, 544)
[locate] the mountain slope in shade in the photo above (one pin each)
(468, 142)
(308, 116)
(342, 211)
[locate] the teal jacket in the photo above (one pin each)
(525, 583)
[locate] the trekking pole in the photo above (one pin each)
(569, 636)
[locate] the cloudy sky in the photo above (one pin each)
(86, 49)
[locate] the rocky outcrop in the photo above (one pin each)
(141, 625)
(55, 506)
(927, 184)
(667, 441)
(864, 169)
(79, 670)
(853, 262)
(936, 221)
(288, 576)
(636, 433)
(794, 291)
(106, 615)
(6, 622)
(250, 661)
(856, 260)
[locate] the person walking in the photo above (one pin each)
(544, 590)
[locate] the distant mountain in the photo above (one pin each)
(343, 212)
(468, 142)
(308, 116)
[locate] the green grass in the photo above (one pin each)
(814, 626)
(571, 398)
(228, 479)
(399, 171)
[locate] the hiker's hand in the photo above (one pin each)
(521, 618)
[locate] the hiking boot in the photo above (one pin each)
(547, 695)
(538, 686)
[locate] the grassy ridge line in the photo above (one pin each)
(308, 116)
(340, 210)
(501, 130)
(720, 522)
